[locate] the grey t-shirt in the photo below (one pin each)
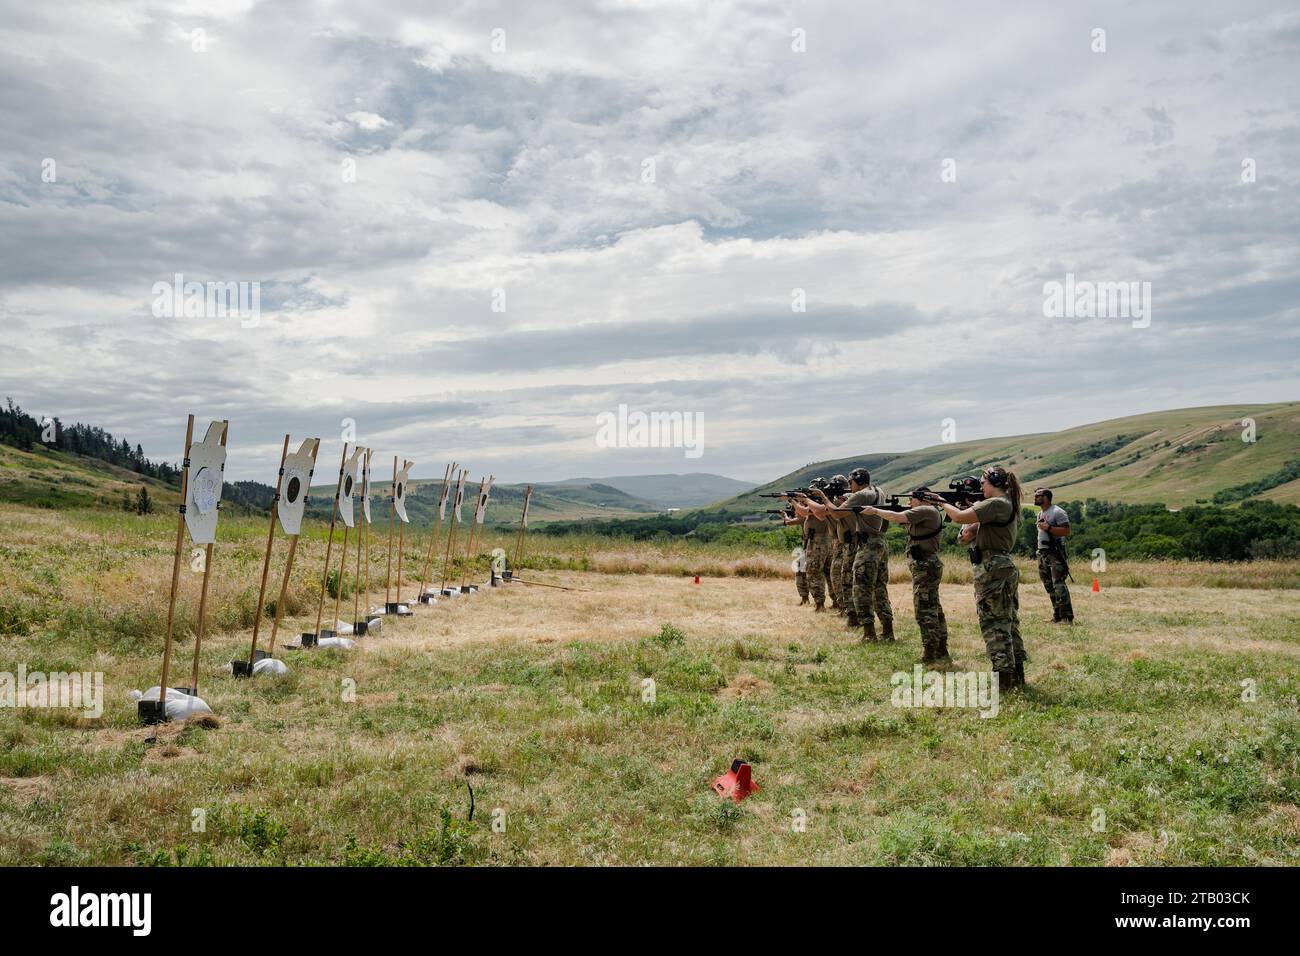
(1057, 518)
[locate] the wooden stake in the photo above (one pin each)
(329, 547)
(469, 538)
(288, 564)
(176, 566)
(519, 542)
(367, 483)
(433, 535)
(451, 537)
(203, 597)
(392, 508)
(361, 517)
(343, 563)
(266, 562)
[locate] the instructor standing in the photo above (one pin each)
(1053, 565)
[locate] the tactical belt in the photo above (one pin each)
(926, 537)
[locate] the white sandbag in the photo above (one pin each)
(180, 706)
(269, 665)
(342, 643)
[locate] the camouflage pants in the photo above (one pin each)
(997, 602)
(870, 577)
(801, 584)
(819, 557)
(846, 576)
(1052, 572)
(927, 574)
(836, 571)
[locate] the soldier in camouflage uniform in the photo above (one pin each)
(817, 546)
(840, 598)
(997, 580)
(1053, 566)
(924, 524)
(800, 556)
(870, 569)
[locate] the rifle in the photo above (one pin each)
(897, 503)
(783, 514)
(787, 494)
(962, 492)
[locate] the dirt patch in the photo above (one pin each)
(27, 789)
(744, 685)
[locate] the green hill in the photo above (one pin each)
(672, 491)
(1177, 458)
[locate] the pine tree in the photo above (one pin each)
(143, 503)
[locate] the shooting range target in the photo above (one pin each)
(349, 488)
(399, 490)
(295, 485)
(207, 466)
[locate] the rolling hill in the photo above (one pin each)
(671, 491)
(1177, 458)
(44, 478)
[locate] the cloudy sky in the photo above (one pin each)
(641, 186)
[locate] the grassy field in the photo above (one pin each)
(1136, 741)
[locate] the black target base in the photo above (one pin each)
(151, 711)
(245, 668)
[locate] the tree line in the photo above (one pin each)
(24, 432)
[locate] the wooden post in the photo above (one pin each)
(433, 535)
(367, 517)
(329, 547)
(523, 525)
(266, 562)
(401, 537)
(288, 564)
(356, 592)
(469, 538)
(451, 538)
(203, 597)
(176, 565)
(343, 563)
(392, 508)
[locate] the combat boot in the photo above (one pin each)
(1006, 681)
(803, 601)
(869, 633)
(887, 631)
(820, 608)
(941, 652)
(1020, 673)
(928, 655)
(851, 621)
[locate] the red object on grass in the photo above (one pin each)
(1096, 586)
(697, 579)
(737, 783)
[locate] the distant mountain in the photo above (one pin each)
(671, 491)
(1180, 457)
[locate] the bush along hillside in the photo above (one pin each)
(1256, 529)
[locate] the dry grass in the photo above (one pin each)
(536, 698)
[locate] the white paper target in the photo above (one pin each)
(399, 490)
(207, 463)
(365, 487)
(349, 488)
(294, 486)
(480, 512)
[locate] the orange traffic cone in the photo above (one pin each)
(1096, 586)
(737, 783)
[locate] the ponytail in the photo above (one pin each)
(1014, 492)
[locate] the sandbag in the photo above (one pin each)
(180, 706)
